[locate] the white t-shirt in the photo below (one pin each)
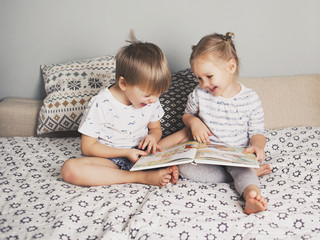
(116, 124)
(232, 121)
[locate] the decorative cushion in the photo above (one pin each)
(69, 87)
(174, 100)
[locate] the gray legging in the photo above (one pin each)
(241, 176)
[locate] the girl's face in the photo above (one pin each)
(216, 76)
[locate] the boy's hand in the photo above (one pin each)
(151, 144)
(260, 153)
(134, 154)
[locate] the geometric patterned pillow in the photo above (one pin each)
(69, 87)
(175, 99)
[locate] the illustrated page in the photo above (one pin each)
(179, 154)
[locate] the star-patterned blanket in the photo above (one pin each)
(37, 204)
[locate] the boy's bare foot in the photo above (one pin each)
(175, 174)
(264, 169)
(254, 201)
(159, 177)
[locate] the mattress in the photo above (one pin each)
(37, 204)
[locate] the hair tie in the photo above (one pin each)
(228, 37)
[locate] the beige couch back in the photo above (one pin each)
(289, 101)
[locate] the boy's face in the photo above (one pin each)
(140, 98)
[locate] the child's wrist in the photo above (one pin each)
(123, 152)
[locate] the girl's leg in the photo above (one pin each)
(243, 177)
(94, 171)
(247, 185)
(205, 173)
(178, 137)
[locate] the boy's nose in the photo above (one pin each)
(153, 100)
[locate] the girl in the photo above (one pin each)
(222, 110)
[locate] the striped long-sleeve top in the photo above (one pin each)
(233, 121)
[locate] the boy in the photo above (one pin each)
(122, 122)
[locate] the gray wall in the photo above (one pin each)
(272, 37)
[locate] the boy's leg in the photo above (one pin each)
(94, 171)
(178, 137)
(247, 185)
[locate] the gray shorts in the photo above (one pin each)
(122, 163)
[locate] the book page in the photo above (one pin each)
(225, 155)
(178, 154)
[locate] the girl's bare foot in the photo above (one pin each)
(264, 169)
(254, 201)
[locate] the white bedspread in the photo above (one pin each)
(37, 204)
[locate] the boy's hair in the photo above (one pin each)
(219, 45)
(143, 64)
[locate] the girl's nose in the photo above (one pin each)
(205, 84)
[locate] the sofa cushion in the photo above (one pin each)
(288, 101)
(69, 87)
(174, 100)
(18, 117)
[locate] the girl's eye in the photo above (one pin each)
(209, 77)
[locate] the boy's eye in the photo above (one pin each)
(209, 76)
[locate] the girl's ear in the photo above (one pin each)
(122, 83)
(232, 65)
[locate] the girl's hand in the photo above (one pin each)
(151, 143)
(260, 153)
(200, 132)
(134, 154)
(257, 144)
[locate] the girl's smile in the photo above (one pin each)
(213, 89)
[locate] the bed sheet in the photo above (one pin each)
(37, 204)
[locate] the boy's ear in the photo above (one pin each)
(122, 83)
(232, 65)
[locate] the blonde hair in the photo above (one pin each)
(143, 64)
(219, 45)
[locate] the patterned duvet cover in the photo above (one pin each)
(35, 202)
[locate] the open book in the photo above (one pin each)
(197, 153)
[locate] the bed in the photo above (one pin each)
(37, 204)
